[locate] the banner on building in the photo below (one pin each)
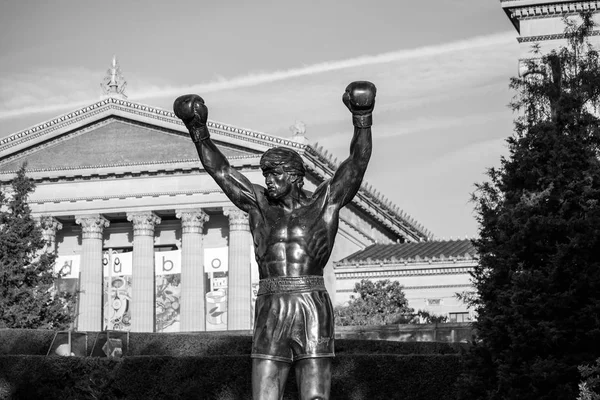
(119, 280)
(117, 273)
(167, 267)
(216, 268)
(67, 269)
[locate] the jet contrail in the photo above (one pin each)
(274, 76)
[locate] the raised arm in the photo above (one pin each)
(194, 114)
(360, 100)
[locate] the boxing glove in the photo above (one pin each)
(191, 110)
(359, 97)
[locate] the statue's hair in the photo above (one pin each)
(287, 159)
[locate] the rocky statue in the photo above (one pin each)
(293, 232)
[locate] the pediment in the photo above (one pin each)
(115, 136)
(119, 132)
(111, 142)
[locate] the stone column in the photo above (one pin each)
(49, 227)
(239, 300)
(91, 280)
(142, 280)
(193, 315)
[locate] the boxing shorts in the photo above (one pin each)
(293, 319)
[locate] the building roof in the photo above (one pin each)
(113, 141)
(113, 135)
(437, 250)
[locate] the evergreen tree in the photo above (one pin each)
(379, 303)
(538, 279)
(588, 388)
(27, 295)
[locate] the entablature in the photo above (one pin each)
(421, 287)
(554, 36)
(126, 170)
(384, 273)
(518, 10)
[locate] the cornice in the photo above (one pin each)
(129, 164)
(555, 36)
(518, 9)
(62, 138)
(93, 125)
(394, 262)
(457, 286)
(52, 125)
(382, 274)
(150, 112)
(124, 196)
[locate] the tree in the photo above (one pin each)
(538, 277)
(426, 317)
(379, 303)
(591, 381)
(27, 296)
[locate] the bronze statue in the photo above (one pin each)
(293, 233)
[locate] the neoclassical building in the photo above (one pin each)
(143, 235)
(540, 22)
(431, 273)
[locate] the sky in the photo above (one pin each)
(441, 67)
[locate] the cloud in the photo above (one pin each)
(48, 91)
(419, 125)
(471, 44)
(438, 84)
(45, 90)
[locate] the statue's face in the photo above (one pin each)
(279, 182)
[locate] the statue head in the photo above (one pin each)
(282, 168)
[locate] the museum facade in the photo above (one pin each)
(144, 235)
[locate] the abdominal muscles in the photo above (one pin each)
(297, 256)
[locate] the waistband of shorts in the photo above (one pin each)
(291, 284)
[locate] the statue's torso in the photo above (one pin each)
(293, 242)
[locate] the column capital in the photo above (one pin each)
(238, 219)
(192, 220)
(143, 222)
(92, 225)
(49, 225)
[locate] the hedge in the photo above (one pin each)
(355, 377)
(211, 365)
(37, 342)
